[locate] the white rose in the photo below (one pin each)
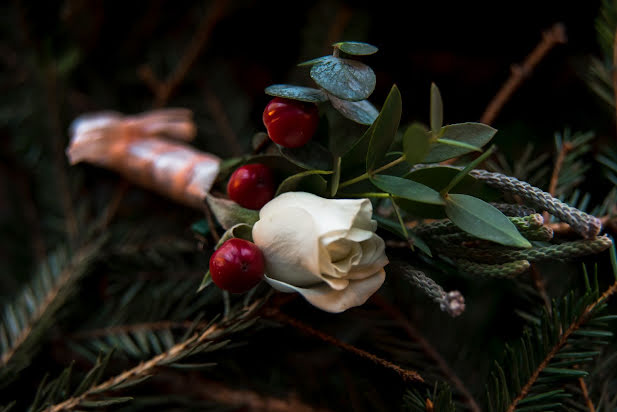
(325, 249)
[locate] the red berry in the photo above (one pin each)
(290, 123)
(251, 186)
(237, 266)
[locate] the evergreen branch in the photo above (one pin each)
(563, 340)
(137, 327)
(33, 311)
(195, 343)
(552, 187)
(408, 375)
(428, 350)
(555, 35)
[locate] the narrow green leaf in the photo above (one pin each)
(305, 94)
(407, 189)
(229, 213)
(356, 48)
(436, 109)
(336, 178)
(207, 279)
(467, 169)
(566, 372)
(416, 143)
(344, 78)
(362, 112)
(384, 129)
(462, 145)
(593, 333)
(482, 220)
(544, 407)
(474, 134)
(309, 179)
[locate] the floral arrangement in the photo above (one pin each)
(304, 203)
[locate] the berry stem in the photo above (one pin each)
(367, 175)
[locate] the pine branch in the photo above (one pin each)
(28, 318)
(553, 349)
(196, 343)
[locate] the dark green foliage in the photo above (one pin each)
(440, 399)
(555, 350)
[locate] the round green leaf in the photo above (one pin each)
(482, 220)
(356, 48)
(474, 134)
(416, 143)
(305, 94)
(407, 189)
(344, 78)
(362, 112)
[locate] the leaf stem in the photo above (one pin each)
(367, 175)
(467, 169)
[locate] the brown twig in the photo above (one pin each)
(337, 28)
(146, 367)
(406, 374)
(562, 341)
(428, 349)
(552, 187)
(211, 18)
(555, 35)
(585, 391)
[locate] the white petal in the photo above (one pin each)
(330, 215)
(289, 245)
(335, 301)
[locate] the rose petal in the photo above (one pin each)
(335, 301)
(289, 245)
(330, 215)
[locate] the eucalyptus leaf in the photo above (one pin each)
(362, 111)
(310, 156)
(309, 179)
(436, 109)
(482, 220)
(462, 145)
(407, 189)
(356, 48)
(229, 213)
(438, 177)
(416, 143)
(305, 94)
(384, 129)
(474, 134)
(344, 78)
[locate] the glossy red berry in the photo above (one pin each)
(251, 186)
(237, 266)
(290, 123)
